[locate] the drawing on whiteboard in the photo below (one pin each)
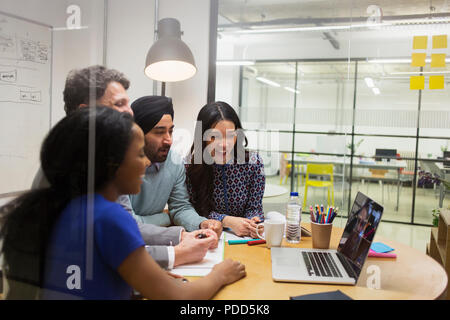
(7, 44)
(33, 51)
(27, 50)
(34, 96)
(8, 76)
(25, 98)
(42, 53)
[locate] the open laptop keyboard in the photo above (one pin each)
(321, 264)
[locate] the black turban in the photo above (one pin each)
(149, 110)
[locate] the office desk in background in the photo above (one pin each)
(413, 275)
(341, 161)
(442, 172)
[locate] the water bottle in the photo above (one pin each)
(293, 219)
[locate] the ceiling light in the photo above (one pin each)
(399, 60)
(169, 58)
(343, 27)
(389, 61)
(369, 82)
(291, 29)
(269, 82)
(235, 63)
(423, 72)
(292, 90)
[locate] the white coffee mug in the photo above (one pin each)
(273, 232)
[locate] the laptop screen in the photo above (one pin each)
(360, 230)
(385, 154)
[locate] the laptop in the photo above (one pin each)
(341, 266)
(387, 154)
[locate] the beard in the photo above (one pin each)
(157, 155)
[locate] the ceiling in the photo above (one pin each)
(263, 14)
(271, 13)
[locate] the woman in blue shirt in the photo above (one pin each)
(71, 240)
(225, 181)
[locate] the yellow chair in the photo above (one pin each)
(285, 169)
(322, 170)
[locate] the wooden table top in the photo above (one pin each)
(412, 275)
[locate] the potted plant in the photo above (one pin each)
(435, 213)
(355, 146)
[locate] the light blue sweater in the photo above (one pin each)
(161, 186)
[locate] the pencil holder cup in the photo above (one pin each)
(321, 234)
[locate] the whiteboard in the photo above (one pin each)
(25, 104)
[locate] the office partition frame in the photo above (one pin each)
(352, 133)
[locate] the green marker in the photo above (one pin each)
(241, 241)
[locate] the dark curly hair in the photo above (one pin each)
(28, 220)
(80, 82)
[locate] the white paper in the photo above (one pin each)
(202, 268)
(229, 235)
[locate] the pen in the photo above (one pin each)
(311, 213)
(252, 243)
(201, 236)
(243, 241)
(334, 214)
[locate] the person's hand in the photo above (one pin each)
(256, 219)
(191, 249)
(207, 233)
(229, 271)
(242, 227)
(254, 224)
(212, 224)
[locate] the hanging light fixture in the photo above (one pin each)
(169, 59)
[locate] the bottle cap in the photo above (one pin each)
(294, 194)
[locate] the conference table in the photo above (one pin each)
(393, 164)
(412, 275)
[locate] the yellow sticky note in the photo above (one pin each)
(440, 42)
(420, 42)
(417, 82)
(436, 82)
(418, 59)
(438, 60)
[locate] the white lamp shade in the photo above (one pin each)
(169, 59)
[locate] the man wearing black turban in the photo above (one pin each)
(164, 181)
(155, 113)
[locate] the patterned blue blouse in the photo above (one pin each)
(238, 189)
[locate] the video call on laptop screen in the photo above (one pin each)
(360, 230)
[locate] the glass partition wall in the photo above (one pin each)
(348, 92)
